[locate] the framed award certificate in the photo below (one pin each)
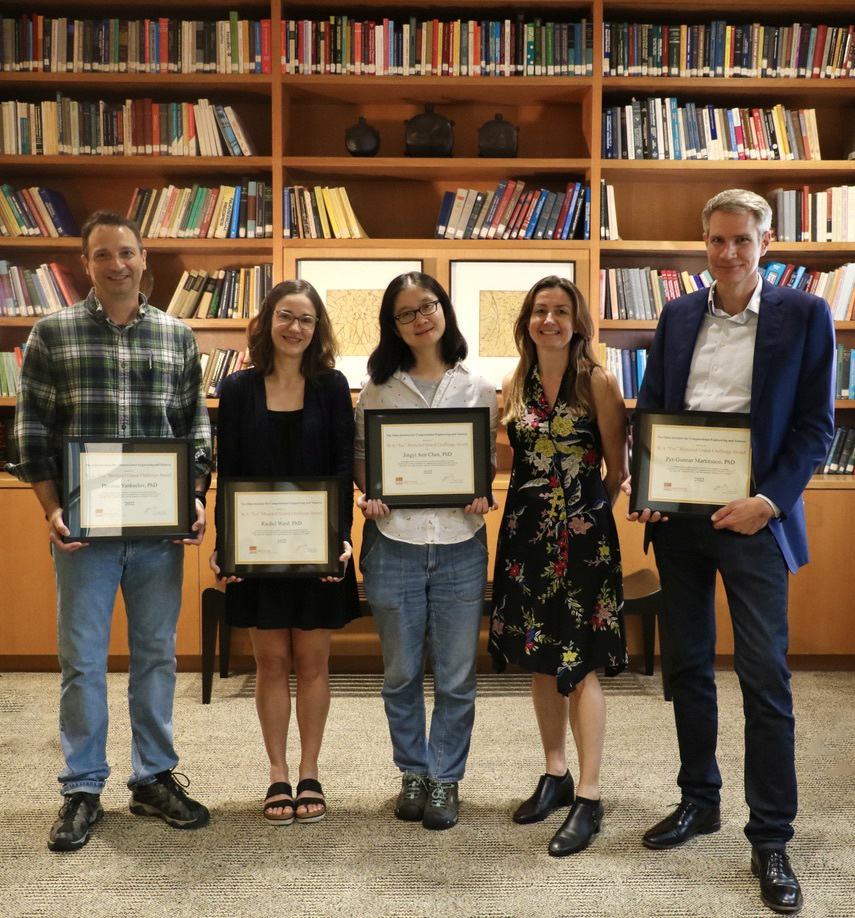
(134, 488)
(272, 527)
(427, 457)
(689, 463)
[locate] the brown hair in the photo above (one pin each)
(319, 356)
(581, 360)
(107, 218)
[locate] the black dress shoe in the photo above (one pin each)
(551, 793)
(684, 823)
(579, 828)
(779, 888)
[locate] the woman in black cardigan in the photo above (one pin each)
(291, 414)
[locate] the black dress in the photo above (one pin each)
(557, 585)
(280, 450)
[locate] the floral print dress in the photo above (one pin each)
(557, 585)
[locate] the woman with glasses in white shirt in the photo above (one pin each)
(425, 570)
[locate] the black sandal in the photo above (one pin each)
(284, 818)
(310, 784)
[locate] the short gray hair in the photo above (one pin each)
(739, 201)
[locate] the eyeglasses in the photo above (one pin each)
(409, 315)
(288, 318)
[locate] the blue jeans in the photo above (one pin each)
(427, 599)
(150, 575)
(752, 568)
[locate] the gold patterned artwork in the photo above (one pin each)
(353, 314)
(497, 312)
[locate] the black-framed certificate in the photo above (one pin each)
(128, 488)
(280, 527)
(689, 463)
(427, 457)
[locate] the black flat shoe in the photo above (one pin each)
(687, 821)
(551, 793)
(779, 888)
(579, 828)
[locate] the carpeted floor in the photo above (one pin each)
(362, 862)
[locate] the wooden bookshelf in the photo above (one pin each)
(298, 122)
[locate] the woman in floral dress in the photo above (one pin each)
(557, 595)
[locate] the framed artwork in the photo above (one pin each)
(487, 296)
(352, 290)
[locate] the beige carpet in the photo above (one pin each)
(362, 862)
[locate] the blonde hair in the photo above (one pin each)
(576, 391)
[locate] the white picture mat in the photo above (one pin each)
(470, 278)
(353, 278)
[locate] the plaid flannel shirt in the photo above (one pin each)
(84, 375)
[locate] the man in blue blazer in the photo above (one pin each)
(744, 345)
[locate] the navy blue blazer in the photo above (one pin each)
(792, 394)
(326, 441)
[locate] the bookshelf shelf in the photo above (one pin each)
(143, 166)
(457, 170)
(256, 84)
(755, 171)
(438, 90)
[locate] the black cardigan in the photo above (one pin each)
(326, 439)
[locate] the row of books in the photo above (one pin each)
(840, 459)
(661, 128)
(35, 291)
(227, 293)
(513, 212)
(802, 215)
(716, 49)
(35, 212)
(844, 375)
(240, 211)
(434, 47)
(639, 294)
(135, 127)
(32, 43)
(836, 287)
(319, 213)
(219, 364)
(628, 366)
(10, 371)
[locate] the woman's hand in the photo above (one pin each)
(647, 515)
(344, 557)
(481, 505)
(372, 509)
(212, 561)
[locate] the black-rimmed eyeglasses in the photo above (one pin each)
(409, 315)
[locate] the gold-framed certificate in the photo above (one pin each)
(127, 488)
(280, 527)
(689, 463)
(427, 457)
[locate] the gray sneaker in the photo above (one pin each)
(410, 805)
(443, 807)
(76, 815)
(166, 798)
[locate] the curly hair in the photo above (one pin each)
(319, 356)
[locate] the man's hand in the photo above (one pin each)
(647, 515)
(198, 527)
(745, 516)
(58, 529)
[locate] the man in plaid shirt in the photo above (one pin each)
(113, 366)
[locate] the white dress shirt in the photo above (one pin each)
(459, 388)
(722, 365)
